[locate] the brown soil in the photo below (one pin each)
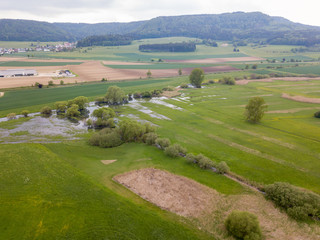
(188, 198)
(301, 98)
(106, 162)
(244, 82)
(170, 94)
(217, 60)
(124, 63)
(293, 110)
(174, 193)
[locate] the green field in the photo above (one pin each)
(35, 64)
(45, 197)
(61, 190)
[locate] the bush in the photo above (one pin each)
(243, 225)
(168, 88)
(25, 113)
(50, 83)
(150, 138)
(317, 114)
(191, 158)
(299, 204)
(131, 131)
(106, 138)
(46, 110)
(175, 150)
(222, 167)
(227, 80)
(60, 107)
(11, 116)
(163, 142)
(184, 85)
(204, 162)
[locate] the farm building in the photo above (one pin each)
(18, 73)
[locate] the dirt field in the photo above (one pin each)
(217, 60)
(188, 198)
(244, 82)
(301, 98)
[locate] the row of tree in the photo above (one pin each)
(168, 47)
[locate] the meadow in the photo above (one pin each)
(62, 190)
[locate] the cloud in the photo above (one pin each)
(93, 11)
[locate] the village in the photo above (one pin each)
(61, 47)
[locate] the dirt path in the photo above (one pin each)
(300, 98)
(244, 82)
(188, 198)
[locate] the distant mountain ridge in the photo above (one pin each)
(254, 26)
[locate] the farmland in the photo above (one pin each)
(62, 188)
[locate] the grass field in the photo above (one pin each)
(63, 191)
(44, 197)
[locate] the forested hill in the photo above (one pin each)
(253, 27)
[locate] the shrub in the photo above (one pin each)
(227, 80)
(184, 85)
(191, 158)
(46, 110)
(61, 82)
(163, 142)
(146, 94)
(25, 113)
(104, 113)
(150, 138)
(299, 204)
(204, 162)
(243, 225)
(168, 88)
(106, 138)
(131, 131)
(222, 167)
(175, 150)
(11, 116)
(149, 128)
(50, 83)
(317, 114)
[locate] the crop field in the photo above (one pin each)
(313, 69)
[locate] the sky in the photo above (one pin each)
(95, 11)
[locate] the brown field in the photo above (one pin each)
(209, 208)
(301, 98)
(244, 81)
(217, 60)
(90, 71)
(124, 63)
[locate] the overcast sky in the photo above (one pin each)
(94, 11)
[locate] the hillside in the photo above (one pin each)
(253, 27)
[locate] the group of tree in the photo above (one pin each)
(114, 96)
(72, 109)
(105, 40)
(168, 47)
(210, 42)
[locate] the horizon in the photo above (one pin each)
(153, 18)
(112, 11)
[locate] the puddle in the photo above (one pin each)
(136, 105)
(161, 102)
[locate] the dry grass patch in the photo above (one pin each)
(208, 209)
(171, 94)
(106, 162)
(301, 98)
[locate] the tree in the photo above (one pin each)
(149, 74)
(255, 109)
(73, 111)
(115, 95)
(196, 77)
(60, 106)
(180, 72)
(46, 110)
